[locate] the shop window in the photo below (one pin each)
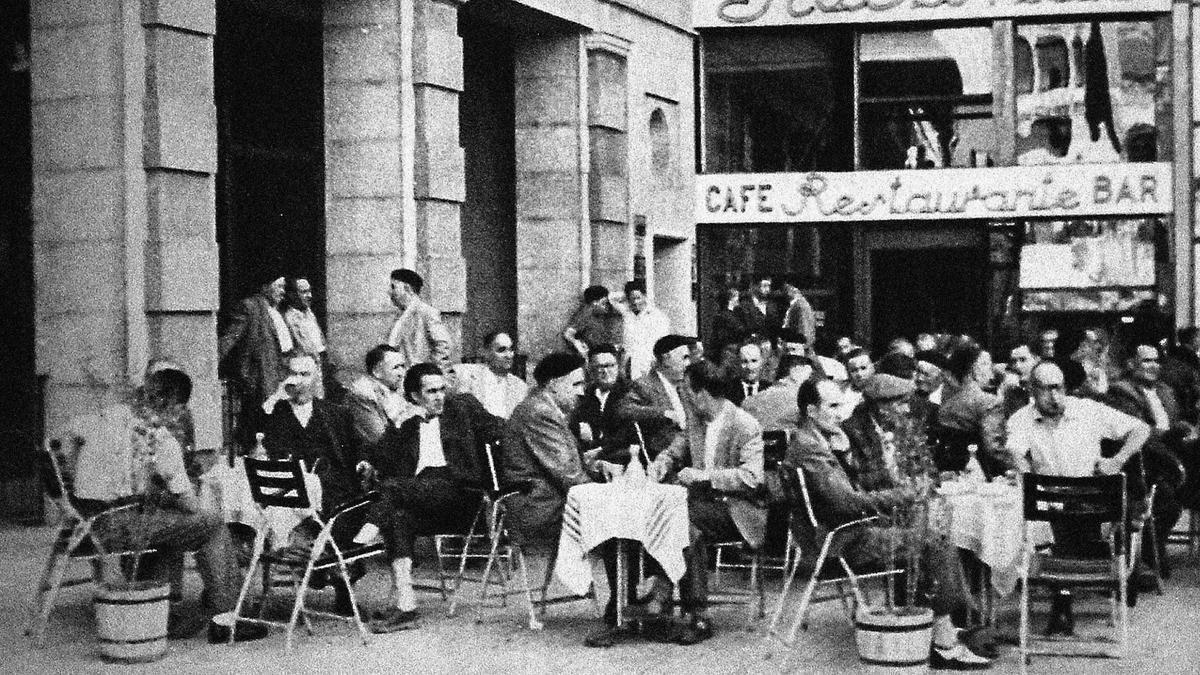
(778, 101)
(660, 143)
(1104, 100)
(926, 98)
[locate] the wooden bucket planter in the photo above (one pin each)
(894, 639)
(131, 621)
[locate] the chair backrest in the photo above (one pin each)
(277, 482)
(774, 448)
(1084, 500)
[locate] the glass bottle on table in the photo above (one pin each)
(973, 473)
(260, 450)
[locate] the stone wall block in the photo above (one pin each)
(359, 283)
(548, 194)
(363, 225)
(362, 169)
(547, 298)
(181, 134)
(79, 133)
(439, 163)
(77, 205)
(609, 152)
(608, 198)
(447, 286)
(79, 276)
(180, 204)
(178, 64)
(362, 54)
(198, 16)
(352, 334)
(611, 244)
(344, 13)
(357, 111)
(542, 101)
(73, 61)
(181, 274)
(437, 49)
(439, 227)
(82, 345)
(545, 149)
(44, 13)
(554, 58)
(607, 90)
(173, 336)
(548, 245)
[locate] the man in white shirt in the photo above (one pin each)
(419, 328)
(492, 382)
(429, 470)
(642, 325)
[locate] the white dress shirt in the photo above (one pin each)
(711, 435)
(1161, 421)
(429, 448)
(1068, 445)
(673, 395)
(303, 412)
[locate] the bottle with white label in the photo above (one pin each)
(974, 472)
(260, 450)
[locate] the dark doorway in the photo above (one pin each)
(487, 123)
(20, 415)
(930, 290)
(270, 147)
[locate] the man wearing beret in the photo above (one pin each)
(659, 402)
(885, 443)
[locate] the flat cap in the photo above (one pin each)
(669, 342)
(556, 365)
(884, 387)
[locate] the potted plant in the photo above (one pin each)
(899, 633)
(132, 613)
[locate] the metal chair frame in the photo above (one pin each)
(75, 535)
(1099, 500)
(280, 483)
(828, 548)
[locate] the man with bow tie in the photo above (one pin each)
(425, 468)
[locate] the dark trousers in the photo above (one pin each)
(429, 503)
(710, 523)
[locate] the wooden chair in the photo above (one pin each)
(811, 535)
(75, 541)
(280, 484)
(1098, 501)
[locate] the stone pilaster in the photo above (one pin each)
(608, 177)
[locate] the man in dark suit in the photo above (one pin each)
(750, 381)
(596, 421)
(318, 433)
(1181, 370)
(660, 402)
(251, 349)
(425, 469)
(720, 461)
(757, 313)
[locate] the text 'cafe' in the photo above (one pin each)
(973, 167)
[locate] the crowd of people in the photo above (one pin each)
(871, 431)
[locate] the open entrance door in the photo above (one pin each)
(930, 290)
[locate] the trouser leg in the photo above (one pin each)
(710, 523)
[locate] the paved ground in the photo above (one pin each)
(1163, 638)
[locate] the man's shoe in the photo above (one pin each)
(958, 657)
(1062, 619)
(394, 619)
(698, 630)
(601, 638)
(220, 626)
(342, 606)
(184, 626)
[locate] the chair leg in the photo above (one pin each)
(535, 622)
(497, 531)
(441, 569)
(255, 561)
(801, 620)
(758, 606)
(62, 561)
(1023, 628)
(462, 558)
(345, 572)
(791, 566)
(301, 592)
(39, 596)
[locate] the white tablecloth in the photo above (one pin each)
(987, 520)
(655, 515)
(225, 489)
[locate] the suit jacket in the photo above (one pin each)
(608, 430)
(1127, 396)
(1181, 370)
(979, 416)
(737, 470)
(737, 390)
(251, 340)
(775, 408)
(645, 404)
(365, 399)
(835, 498)
(465, 427)
(327, 437)
(755, 321)
(540, 451)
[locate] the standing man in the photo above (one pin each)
(595, 323)
(376, 401)
(492, 381)
(759, 316)
(419, 328)
(425, 469)
(799, 316)
(642, 325)
(750, 381)
(659, 402)
(257, 337)
(306, 332)
(720, 461)
(1060, 435)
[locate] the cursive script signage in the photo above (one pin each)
(732, 13)
(941, 194)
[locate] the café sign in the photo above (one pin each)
(935, 194)
(749, 13)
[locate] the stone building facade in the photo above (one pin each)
(512, 152)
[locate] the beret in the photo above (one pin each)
(556, 365)
(934, 357)
(670, 342)
(884, 387)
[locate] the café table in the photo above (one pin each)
(627, 510)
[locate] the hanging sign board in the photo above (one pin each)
(754, 13)
(935, 194)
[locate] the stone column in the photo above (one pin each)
(608, 178)
(364, 199)
(551, 178)
(439, 187)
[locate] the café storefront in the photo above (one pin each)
(973, 167)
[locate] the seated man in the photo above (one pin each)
(376, 401)
(720, 461)
(750, 369)
(126, 454)
(429, 470)
(886, 445)
(836, 500)
(595, 420)
(492, 382)
(775, 408)
(659, 402)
